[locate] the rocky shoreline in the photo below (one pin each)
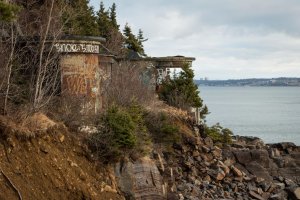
(198, 169)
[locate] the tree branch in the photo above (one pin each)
(11, 183)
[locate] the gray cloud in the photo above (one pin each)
(229, 38)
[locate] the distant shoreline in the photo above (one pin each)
(267, 82)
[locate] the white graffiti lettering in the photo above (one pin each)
(77, 48)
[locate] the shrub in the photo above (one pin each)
(121, 125)
(121, 132)
(170, 133)
(219, 134)
(144, 142)
(163, 129)
(8, 12)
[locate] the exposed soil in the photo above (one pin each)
(51, 163)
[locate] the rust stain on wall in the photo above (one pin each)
(79, 74)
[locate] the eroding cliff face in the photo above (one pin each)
(41, 159)
(140, 179)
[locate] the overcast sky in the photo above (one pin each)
(230, 39)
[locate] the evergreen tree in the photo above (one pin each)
(103, 21)
(131, 41)
(109, 29)
(141, 39)
(8, 11)
(181, 91)
(141, 36)
(113, 16)
(80, 19)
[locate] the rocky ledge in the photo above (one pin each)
(198, 169)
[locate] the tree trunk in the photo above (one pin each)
(38, 95)
(9, 69)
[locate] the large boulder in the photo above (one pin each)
(257, 162)
(261, 156)
(296, 157)
(243, 157)
(258, 170)
(295, 192)
(286, 147)
(292, 173)
(140, 179)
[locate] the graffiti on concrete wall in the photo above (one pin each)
(75, 84)
(162, 73)
(79, 74)
(76, 48)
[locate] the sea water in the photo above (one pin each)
(270, 113)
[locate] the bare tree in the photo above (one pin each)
(9, 67)
(33, 54)
(7, 50)
(130, 81)
(115, 43)
(42, 84)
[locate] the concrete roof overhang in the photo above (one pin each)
(170, 61)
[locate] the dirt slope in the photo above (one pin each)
(49, 163)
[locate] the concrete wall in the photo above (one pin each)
(79, 74)
(83, 68)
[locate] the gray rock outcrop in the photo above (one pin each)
(140, 180)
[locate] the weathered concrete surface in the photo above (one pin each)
(140, 180)
(80, 77)
(79, 74)
(84, 63)
(170, 61)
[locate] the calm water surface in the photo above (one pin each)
(270, 113)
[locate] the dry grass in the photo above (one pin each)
(158, 106)
(9, 127)
(38, 122)
(168, 124)
(28, 127)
